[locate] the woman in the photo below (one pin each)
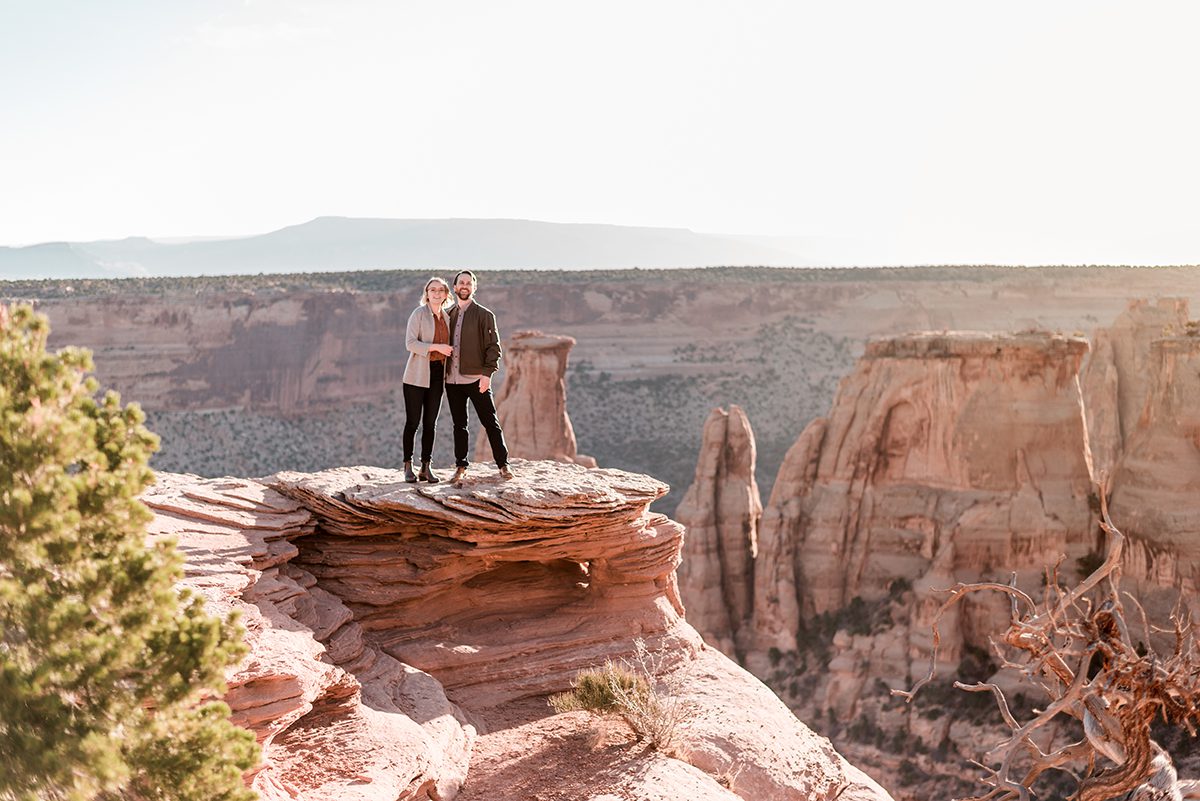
(428, 343)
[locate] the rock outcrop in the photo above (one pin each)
(1156, 487)
(1117, 376)
(961, 454)
(390, 622)
(720, 512)
(531, 403)
(336, 718)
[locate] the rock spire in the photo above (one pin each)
(721, 511)
(531, 402)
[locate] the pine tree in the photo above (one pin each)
(108, 673)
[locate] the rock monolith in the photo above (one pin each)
(720, 512)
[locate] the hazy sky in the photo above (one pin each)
(953, 122)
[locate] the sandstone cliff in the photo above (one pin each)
(721, 511)
(1156, 486)
(531, 402)
(336, 717)
(404, 634)
(250, 375)
(962, 452)
(1118, 375)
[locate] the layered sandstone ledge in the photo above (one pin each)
(394, 627)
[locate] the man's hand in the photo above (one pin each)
(485, 383)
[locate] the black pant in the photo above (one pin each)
(485, 410)
(419, 403)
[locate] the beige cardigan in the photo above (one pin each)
(417, 339)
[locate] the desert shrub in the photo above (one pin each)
(631, 690)
(602, 689)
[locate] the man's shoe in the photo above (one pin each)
(505, 473)
(427, 475)
(409, 475)
(458, 475)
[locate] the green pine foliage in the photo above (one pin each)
(108, 674)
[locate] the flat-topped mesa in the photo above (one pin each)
(720, 513)
(1117, 376)
(1156, 486)
(531, 403)
(499, 589)
(963, 450)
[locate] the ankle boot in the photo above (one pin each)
(426, 474)
(409, 475)
(458, 475)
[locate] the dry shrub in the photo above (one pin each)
(1077, 647)
(632, 690)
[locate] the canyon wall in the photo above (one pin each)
(250, 375)
(965, 452)
(950, 457)
(404, 639)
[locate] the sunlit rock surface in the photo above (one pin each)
(531, 403)
(720, 512)
(395, 627)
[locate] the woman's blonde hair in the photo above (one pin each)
(446, 302)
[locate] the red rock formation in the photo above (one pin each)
(720, 512)
(532, 400)
(336, 718)
(1117, 377)
(405, 603)
(960, 449)
(1156, 487)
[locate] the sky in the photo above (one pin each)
(950, 131)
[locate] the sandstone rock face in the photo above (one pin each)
(720, 512)
(531, 403)
(251, 375)
(959, 450)
(336, 718)
(500, 590)
(383, 616)
(1156, 487)
(1119, 373)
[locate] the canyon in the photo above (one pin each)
(949, 457)
(894, 464)
(248, 375)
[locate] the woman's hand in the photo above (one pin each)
(445, 350)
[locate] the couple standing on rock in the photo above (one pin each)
(455, 345)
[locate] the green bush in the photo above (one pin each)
(104, 667)
(602, 689)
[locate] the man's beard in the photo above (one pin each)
(464, 294)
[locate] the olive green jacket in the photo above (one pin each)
(479, 351)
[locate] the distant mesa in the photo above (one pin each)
(339, 244)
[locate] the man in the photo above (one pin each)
(475, 341)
